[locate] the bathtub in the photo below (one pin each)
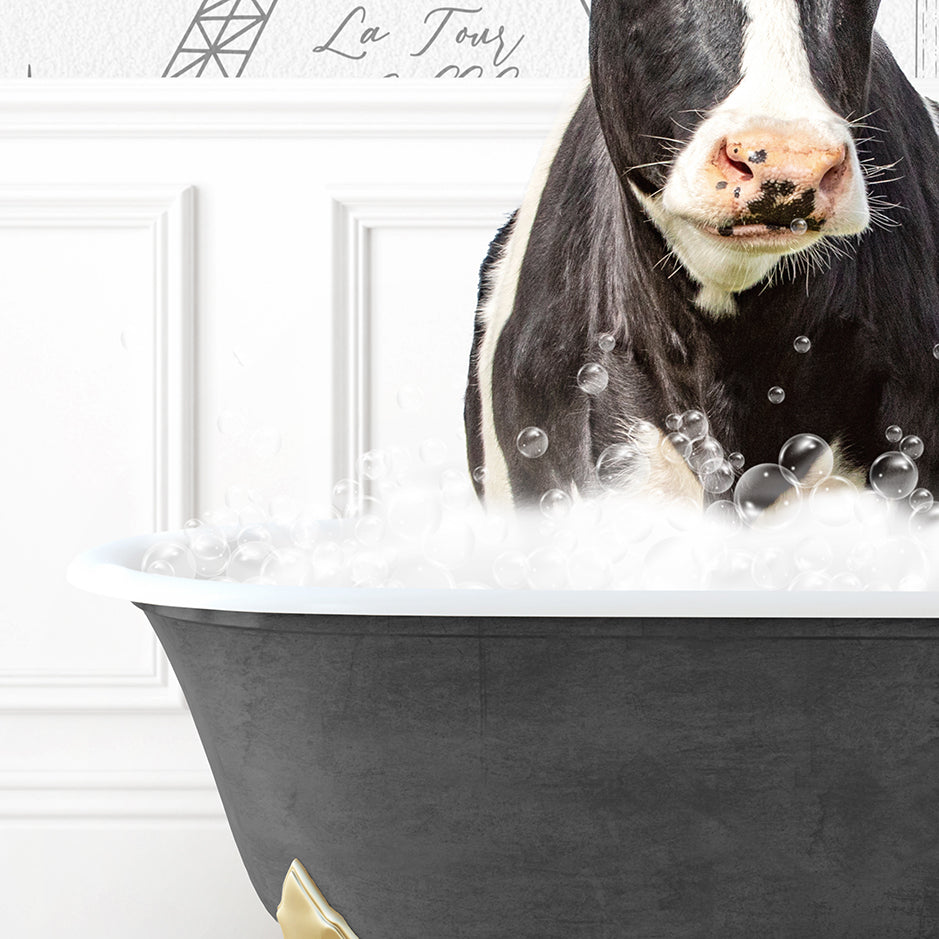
(537, 765)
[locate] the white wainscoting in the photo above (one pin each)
(202, 285)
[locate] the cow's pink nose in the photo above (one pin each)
(761, 173)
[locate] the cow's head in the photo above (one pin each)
(731, 120)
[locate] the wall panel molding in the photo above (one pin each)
(357, 213)
(165, 212)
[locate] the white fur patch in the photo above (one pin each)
(498, 308)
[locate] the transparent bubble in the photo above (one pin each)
(547, 569)
(808, 458)
(776, 395)
(248, 559)
(369, 569)
(606, 342)
(894, 433)
(694, 425)
(307, 529)
(251, 533)
(706, 455)
(374, 464)
(287, 567)
(799, 226)
(720, 479)
(480, 474)
(811, 580)
(912, 446)
(532, 442)
(723, 513)
(346, 498)
(510, 569)
(555, 504)
(252, 514)
(230, 423)
(671, 564)
(621, 465)
(812, 554)
(894, 475)
(169, 558)
(887, 563)
(266, 442)
(921, 499)
(211, 553)
(413, 512)
(935, 351)
(673, 422)
(683, 514)
(767, 496)
(410, 398)
(736, 460)
(832, 501)
(220, 518)
(370, 530)
(432, 451)
(773, 568)
(729, 569)
(802, 344)
(327, 561)
(924, 524)
(845, 580)
(871, 508)
(456, 491)
(589, 569)
(593, 378)
(676, 447)
(284, 509)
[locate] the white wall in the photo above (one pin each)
(113, 38)
(281, 258)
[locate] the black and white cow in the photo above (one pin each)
(738, 173)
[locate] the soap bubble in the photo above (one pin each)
(346, 498)
(894, 475)
(924, 523)
(808, 458)
(370, 529)
(480, 474)
(412, 514)
(811, 580)
(845, 580)
(287, 567)
(673, 422)
(676, 447)
(812, 554)
(621, 465)
(802, 344)
(456, 491)
(606, 342)
(776, 395)
(248, 559)
(589, 569)
(532, 442)
(510, 569)
(422, 574)
(374, 464)
(871, 508)
(832, 501)
(894, 433)
(912, 446)
(230, 423)
(327, 561)
(723, 513)
(253, 532)
(935, 351)
(220, 518)
(555, 504)
(369, 569)
(284, 510)
(169, 558)
(799, 226)
(736, 460)
(211, 553)
(547, 569)
(694, 425)
(593, 378)
(720, 479)
(921, 499)
(773, 568)
(706, 455)
(767, 496)
(452, 544)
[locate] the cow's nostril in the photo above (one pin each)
(742, 168)
(832, 178)
(733, 169)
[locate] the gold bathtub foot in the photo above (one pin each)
(303, 912)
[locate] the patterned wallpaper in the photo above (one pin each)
(338, 38)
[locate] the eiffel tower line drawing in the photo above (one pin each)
(221, 38)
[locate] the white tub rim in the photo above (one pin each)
(110, 570)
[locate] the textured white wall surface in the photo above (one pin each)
(410, 38)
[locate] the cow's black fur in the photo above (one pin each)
(591, 267)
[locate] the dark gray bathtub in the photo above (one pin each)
(443, 777)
